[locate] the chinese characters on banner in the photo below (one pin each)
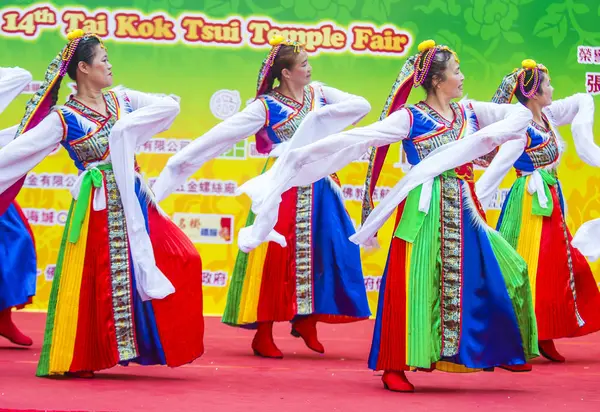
(590, 55)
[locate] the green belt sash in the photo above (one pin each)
(536, 208)
(412, 218)
(93, 177)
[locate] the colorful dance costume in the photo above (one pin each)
(565, 295)
(18, 262)
(318, 276)
(454, 295)
(110, 302)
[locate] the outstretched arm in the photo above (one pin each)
(21, 155)
(487, 185)
(578, 110)
(310, 163)
(12, 82)
(213, 143)
(7, 135)
(455, 154)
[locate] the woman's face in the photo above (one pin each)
(300, 73)
(99, 71)
(452, 85)
(545, 97)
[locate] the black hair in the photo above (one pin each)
(529, 81)
(54, 92)
(437, 69)
(285, 59)
(85, 52)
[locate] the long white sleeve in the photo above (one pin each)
(579, 111)
(587, 239)
(7, 135)
(139, 100)
(153, 115)
(12, 82)
(21, 155)
(213, 143)
(573, 109)
(335, 96)
(344, 106)
(310, 163)
(456, 154)
(487, 185)
(342, 110)
(488, 113)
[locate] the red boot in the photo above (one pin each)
(263, 343)
(306, 328)
(548, 351)
(526, 367)
(10, 331)
(81, 374)
(428, 370)
(396, 381)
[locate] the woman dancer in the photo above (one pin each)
(18, 269)
(454, 295)
(110, 302)
(318, 277)
(565, 295)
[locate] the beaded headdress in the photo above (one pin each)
(265, 69)
(263, 144)
(519, 78)
(40, 103)
(412, 75)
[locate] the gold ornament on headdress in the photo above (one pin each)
(276, 42)
(75, 34)
(529, 64)
(427, 51)
(74, 37)
(517, 78)
(426, 45)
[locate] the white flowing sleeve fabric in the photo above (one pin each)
(351, 105)
(342, 110)
(487, 185)
(7, 135)
(488, 113)
(21, 155)
(151, 115)
(456, 154)
(213, 143)
(587, 239)
(12, 82)
(308, 164)
(578, 110)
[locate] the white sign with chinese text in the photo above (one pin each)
(206, 228)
